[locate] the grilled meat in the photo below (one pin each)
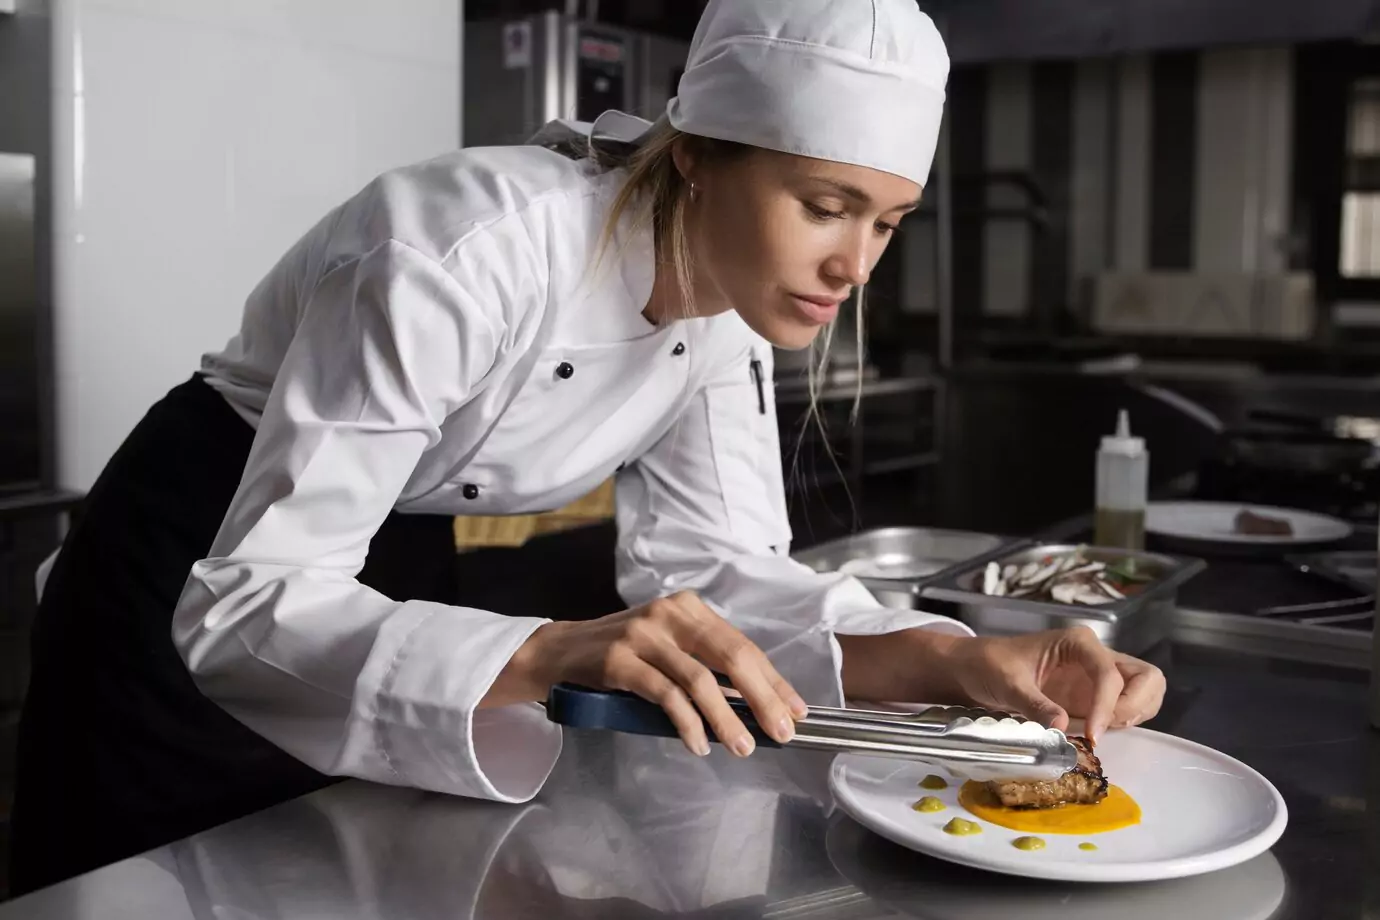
(1083, 785)
(1248, 522)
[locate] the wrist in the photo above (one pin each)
(909, 666)
(937, 672)
(529, 674)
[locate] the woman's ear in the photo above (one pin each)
(684, 156)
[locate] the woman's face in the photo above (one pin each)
(784, 239)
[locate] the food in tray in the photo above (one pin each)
(934, 782)
(929, 804)
(1252, 524)
(1028, 843)
(1085, 784)
(1067, 578)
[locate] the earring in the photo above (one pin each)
(694, 192)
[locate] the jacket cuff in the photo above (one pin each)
(857, 613)
(427, 723)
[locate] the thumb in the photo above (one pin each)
(1033, 704)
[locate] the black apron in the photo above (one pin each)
(119, 752)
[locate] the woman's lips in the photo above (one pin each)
(819, 310)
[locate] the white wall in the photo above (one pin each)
(195, 140)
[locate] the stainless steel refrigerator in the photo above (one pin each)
(20, 452)
(521, 73)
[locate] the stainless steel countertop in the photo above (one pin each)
(633, 827)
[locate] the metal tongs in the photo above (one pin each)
(979, 744)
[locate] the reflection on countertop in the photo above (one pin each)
(916, 886)
(634, 827)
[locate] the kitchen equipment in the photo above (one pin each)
(1356, 427)
(1346, 494)
(892, 562)
(1131, 624)
(1201, 811)
(1122, 480)
(976, 743)
(1298, 450)
(523, 72)
(1354, 569)
(1350, 570)
(21, 318)
(1211, 526)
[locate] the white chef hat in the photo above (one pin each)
(852, 81)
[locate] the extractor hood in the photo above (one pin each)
(993, 30)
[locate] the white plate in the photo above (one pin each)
(1201, 811)
(1215, 522)
(917, 886)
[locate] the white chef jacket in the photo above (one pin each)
(443, 342)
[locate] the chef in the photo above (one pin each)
(248, 607)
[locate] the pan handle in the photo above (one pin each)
(1297, 420)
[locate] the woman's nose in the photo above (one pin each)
(852, 264)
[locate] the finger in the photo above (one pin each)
(1032, 703)
(760, 686)
(704, 691)
(651, 684)
(1143, 694)
(1100, 664)
(714, 639)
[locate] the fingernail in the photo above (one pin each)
(702, 748)
(785, 730)
(798, 708)
(743, 745)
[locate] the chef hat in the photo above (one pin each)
(852, 81)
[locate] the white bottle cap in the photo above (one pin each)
(1122, 442)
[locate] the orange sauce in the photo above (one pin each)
(1116, 811)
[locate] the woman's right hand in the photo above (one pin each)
(663, 652)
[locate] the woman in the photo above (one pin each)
(245, 609)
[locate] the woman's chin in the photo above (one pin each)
(783, 333)
(801, 339)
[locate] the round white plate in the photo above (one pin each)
(1201, 811)
(916, 886)
(1215, 522)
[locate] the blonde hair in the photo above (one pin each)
(655, 193)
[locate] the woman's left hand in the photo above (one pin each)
(1052, 676)
(1049, 676)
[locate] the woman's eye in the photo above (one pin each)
(822, 213)
(883, 227)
